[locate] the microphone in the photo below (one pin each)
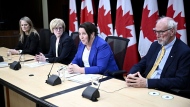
(53, 79)
(92, 93)
(1, 59)
(16, 65)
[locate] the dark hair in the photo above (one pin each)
(89, 28)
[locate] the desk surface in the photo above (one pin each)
(34, 85)
(113, 92)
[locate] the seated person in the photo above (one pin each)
(29, 39)
(94, 55)
(173, 71)
(62, 47)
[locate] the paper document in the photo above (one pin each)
(83, 78)
(36, 64)
(68, 75)
(3, 64)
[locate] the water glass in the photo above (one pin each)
(61, 73)
(9, 57)
(95, 81)
(22, 59)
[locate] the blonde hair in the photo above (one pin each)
(27, 19)
(55, 23)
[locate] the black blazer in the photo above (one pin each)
(30, 45)
(176, 71)
(66, 49)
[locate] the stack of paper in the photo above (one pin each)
(83, 78)
(3, 64)
(36, 64)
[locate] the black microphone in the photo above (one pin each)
(16, 65)
(53, 79)
(92, 93)
(1, 59)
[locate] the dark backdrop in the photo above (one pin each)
(10, 13)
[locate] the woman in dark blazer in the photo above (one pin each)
(29, 38)
(62, 48)
(94, 55)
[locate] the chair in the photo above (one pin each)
(75, 37)
(119, 47)
(183, 93)
(45, 36)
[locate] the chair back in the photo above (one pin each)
(119, 47)
(45, 35)
(75, 37)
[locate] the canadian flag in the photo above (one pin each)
(148, 21)
(176, 10)
(104, 24)
(73, 21)
(124, 27)
(86, 14)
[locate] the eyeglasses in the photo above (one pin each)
(161, 32)
(58, 28)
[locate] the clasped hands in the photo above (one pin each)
(135, 80)
(72, 68)
(40, 58)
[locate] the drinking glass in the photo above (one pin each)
(95, 81)
(61, 72)
(9, 57)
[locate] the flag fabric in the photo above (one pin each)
(73, 21)
(87, 14)
(104, 24)
(175, 10)
(148, 21)
(124, 27)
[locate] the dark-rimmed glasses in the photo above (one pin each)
(161, 32)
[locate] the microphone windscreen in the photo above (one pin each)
(1, 59)
(15, 65)
(91, 93)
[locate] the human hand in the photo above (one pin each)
(70, 68)
(13, 51)
(40, 57)
(135, 80)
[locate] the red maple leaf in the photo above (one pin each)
(178, 18)
(72, 19)
(104, 20)
(122, 22)
(148, 23)
(85, 16)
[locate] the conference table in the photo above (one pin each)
(23, 90)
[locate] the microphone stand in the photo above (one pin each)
(53, 79)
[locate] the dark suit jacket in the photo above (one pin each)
(176, 71)
(101, 57)
(66, 49)
(30, 44)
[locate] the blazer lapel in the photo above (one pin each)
(170, 57)
(93, 51)
(62, 38)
